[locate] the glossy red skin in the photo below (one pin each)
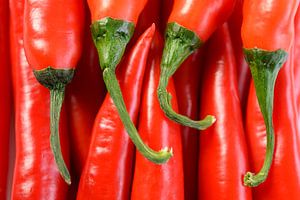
(149, 15)
(297, 61)
(243, 70)
(84, 96)
(108, 170)
(202, 17)
(35, 173)
(53, 32)
(5, 100)
(268, 24)
(127, 10)
(152, 181)
(283, 181)
(223, 156)
(187, 84)
(167, 6)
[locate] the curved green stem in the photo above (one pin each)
(180, 43)
(56, 80)
(113, 88)
(57, 98)
(165, 103)
(264, 66)
(111, 37)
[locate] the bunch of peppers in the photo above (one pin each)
(149, 99)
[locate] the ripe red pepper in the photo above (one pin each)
(243, 71)
(84, 96)
(190, 24)
(267, 34)
(35, 173)
(296, 60)
(5, 100)
(153, 181)
(108, 169)
(187, 85)
(52, 40)
(112, 28)
(167, 6)
(223, 152)
(283, 181)
(149, 15)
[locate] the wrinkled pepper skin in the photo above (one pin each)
(267, 34)
(53, 33)
(6, 99)
(164, 181)
(187, 85)
(190, 24)
(113, 25)
(243, 71)
(84, 96)
(223, 156)
(108, 170)
(35, 172)
(283, 181)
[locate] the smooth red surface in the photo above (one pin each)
(153, 181)
(5, 99)
(84, 96)
(297, 62)
(187, 84)
(268, 24)
(36, 175)
(128, 10)
(108, 170)
(149, 15)
(202, 17)
(283, 181)
(223, 157)
(53, 33)
(243, 70)
(167, 6)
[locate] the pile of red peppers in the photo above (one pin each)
(150, 99)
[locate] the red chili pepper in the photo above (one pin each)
(149, 15)
(35, 172)
(267, 34)
(283, 180)
(5, 100)
(187, 84)
(153, 181)
(52, 40)
(108, 169)
(84, 96)
(167, 6)
(190, 24)
(223, 151)
(112, 28)
(243, 71)
(296, 60)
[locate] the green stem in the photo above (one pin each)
(56, 80)
(111, 37)
(165, 103)
(113, 88)
(180, 43)
(57, 98)
(264, 66)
